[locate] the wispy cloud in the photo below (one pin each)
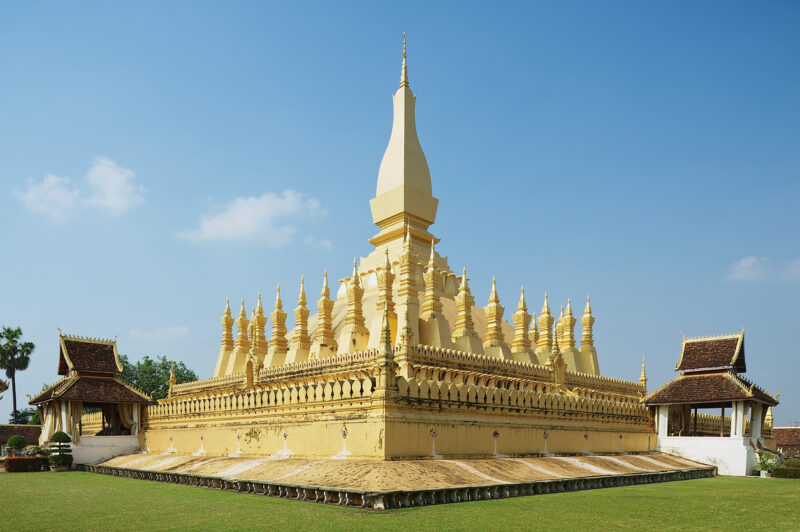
(754, 269)
(270, 218)
(791, 271)
(54, 197)
(112, 187)
(314, 243)
(161, 335)
(109, 188)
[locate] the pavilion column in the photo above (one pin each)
(737, 419)
(64, 424)
(662, 420)
(756, 419)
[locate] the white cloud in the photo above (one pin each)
(752, 269)
(161, 335)
(110, 188)
(54, 197)
(791, 271)
(270, 218)
(314, 243)
(748, 270)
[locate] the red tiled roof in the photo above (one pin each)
(787, 436)
(713, 353)
(86, 354)
(29, 432)
(92, 390)
(708, 388)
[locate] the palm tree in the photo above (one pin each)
(14, 356)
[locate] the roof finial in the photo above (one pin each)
(643, 376)
(387, 264)
(433, 252)
(325, 290)
(386, 330)
(522, 306)
(301, 298)
(493, 297)
(403, 70)
(356, 279)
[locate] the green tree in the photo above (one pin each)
(14, 356)
(152, 375)
(25, 417)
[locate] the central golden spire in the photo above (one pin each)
(404, 196)
(403, 70)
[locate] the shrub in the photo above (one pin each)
(16, 442)
(60, 437)
(786, 472)
(59, 443)
(766, 461)
(61, 460)
(25, 464)
(31, 450)
(792, 463)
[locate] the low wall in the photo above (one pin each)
(402, 499)
(442, 402)
(731, 456)
(96, 449)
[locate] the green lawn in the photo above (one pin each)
(86, 501)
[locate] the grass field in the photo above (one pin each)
(85, 501)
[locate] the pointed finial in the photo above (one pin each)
(463, 278)
(433, 252)
(554, 349)
(643, 376)
(259, 307)
(546, 305)
(278, 302)
(242, 311)
(403, 70)
(561, 315)
(493, 297)
(588, 309)
(569, 307)
(522, 306)
(387, 264)
(386, 329)
(227, 306)
(326, 292)
(407, 242)
(356, 279)
(301, 298)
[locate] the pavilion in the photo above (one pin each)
(710, 378)
(91, 368)
(787, 440)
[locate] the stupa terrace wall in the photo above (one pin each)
(301, 410)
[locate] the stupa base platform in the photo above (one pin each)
(404, 483)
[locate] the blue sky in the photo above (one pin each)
(157, 158)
